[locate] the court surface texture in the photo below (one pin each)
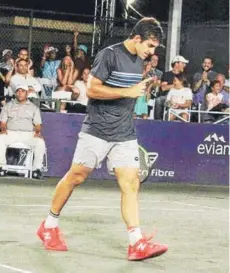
(191, 219)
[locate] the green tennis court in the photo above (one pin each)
(192, 220)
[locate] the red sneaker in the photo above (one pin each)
(51, 238)
(143, 249)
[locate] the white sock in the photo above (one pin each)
(134, 235)
(51, 220)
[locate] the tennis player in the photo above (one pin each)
(108, 132)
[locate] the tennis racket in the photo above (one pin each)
(146, 163)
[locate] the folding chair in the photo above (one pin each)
(22, 165)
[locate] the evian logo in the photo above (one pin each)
(214, 145)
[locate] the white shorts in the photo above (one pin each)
(91, 151)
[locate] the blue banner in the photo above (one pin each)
(186, 152)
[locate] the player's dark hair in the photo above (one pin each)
(208, 57)
(146, 28)
(182, 78)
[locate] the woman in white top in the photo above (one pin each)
(82, 99)
(179, 97)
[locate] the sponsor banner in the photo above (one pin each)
(183, 152)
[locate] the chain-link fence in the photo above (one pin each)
(33, 29)
(205, 39)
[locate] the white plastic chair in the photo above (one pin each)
(25, 158)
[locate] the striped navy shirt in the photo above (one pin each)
(112, 120)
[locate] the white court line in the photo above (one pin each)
(88, 198)
(117, 199)
(14, 268)
(104, 207)
(195, 205)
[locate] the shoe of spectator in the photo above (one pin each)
(51, 238)
(2, 172)
(37, 174)
(144, 249)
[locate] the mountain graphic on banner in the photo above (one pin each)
(215, 137)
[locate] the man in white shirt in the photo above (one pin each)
(23, 78)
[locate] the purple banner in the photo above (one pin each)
(187, 152)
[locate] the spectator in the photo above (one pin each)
(21, 122)
(49, 64)
(154, 63)
(67, 75)
(7, 60)
(81, 60)
(214, 97)
(23, 78)
(227, 83)
(68, 51)
(71, 50)
(156, 74)
(221, 78)
(178, 66)
(82, 99)
(141, 106)
(3, 73)
(202, 80)
(214, 103)
(179, 97)
(23, 54)
(6, 71)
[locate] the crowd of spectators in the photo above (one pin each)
(172, 95)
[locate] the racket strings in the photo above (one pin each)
(144, 165)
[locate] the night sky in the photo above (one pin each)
(193, 10)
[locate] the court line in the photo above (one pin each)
(102, 207)
(88, 198)
(117, 199)
(14, 268)
(196, 205)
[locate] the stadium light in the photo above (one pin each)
(127, 5)
(130, 2)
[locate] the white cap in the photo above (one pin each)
(179, 58)
(22, 86)
(5, 51)
(51, 48)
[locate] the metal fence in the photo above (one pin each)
(33, 29)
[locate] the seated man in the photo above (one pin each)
(178, 66)
(202, 79)
(21, 122)
(23, 78)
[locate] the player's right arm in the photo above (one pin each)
(97, 90)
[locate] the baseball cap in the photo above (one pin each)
(179, 58)
(83, 48)
(22, 86)
(51, 48)
(5, 51)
